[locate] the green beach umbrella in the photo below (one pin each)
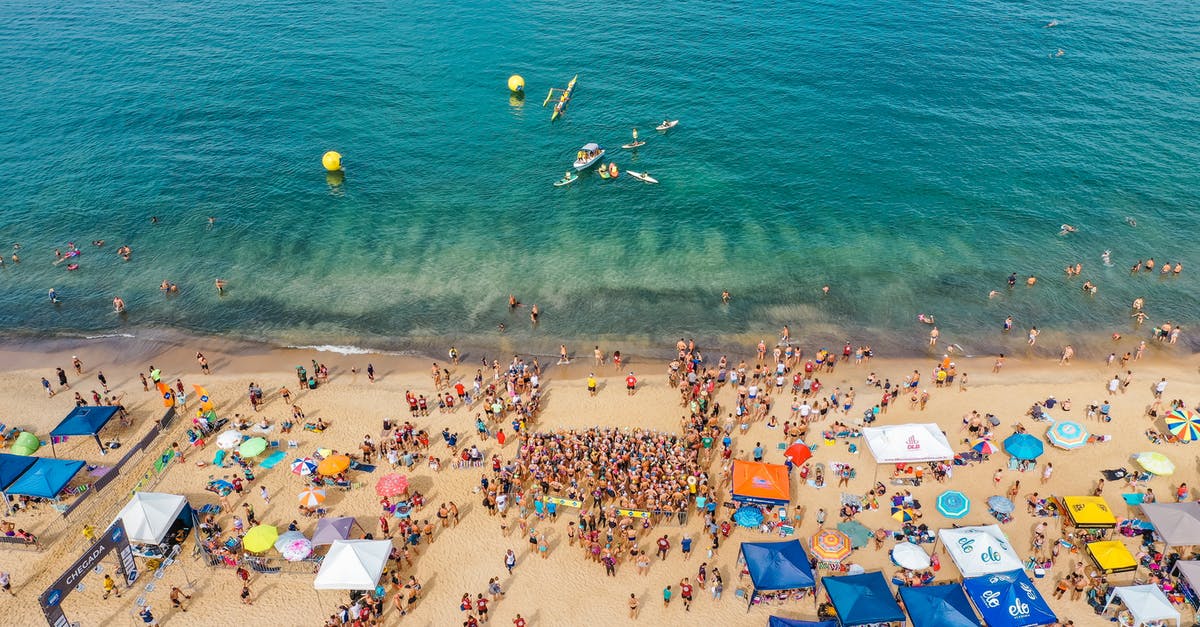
(252, 447)
(26, 444)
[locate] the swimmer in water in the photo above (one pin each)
(1130, 221)
(118, 305)
(1107, 257)
(825, 290)
(725, 297)
(1051, 24)
(153, 219)
(220, 283)
(993, 294)
(1066, 228)
(513, 303)
(1059, 53)
(53, 296)
(98, 243)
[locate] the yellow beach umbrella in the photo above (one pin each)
(260, 538)
(1156, 463)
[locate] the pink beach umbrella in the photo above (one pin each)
(392, 485)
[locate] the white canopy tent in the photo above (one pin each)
(909, 443)
(149, 515)
(353, 565)
(1146, 603)
(1178, 524)
(981, 550)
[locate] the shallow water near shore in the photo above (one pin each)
(908, 156)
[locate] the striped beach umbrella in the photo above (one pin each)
(1184, 424)
(953, 504)
(985, 446)
(1155, 463)
(305, 466)
(904, 514)
(311, 497)
(1067, 435)
(830, 545)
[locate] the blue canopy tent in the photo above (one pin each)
(862, 599)
(776, 621)
(11, 467)
(939, 606)
(1009, 599)
(776, 566)
(85, 420)
(46, 478)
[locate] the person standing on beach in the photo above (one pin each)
(62, 378)
(110, 587)
(933, 336)
(1033, 333)
(633, 603)
(371, 373)
(176, 593)
(103, 380)
(667, 596)
(631, 383)
(77, 363)
(46, 386)
(6, 583)
(510, 560)
(203, 363)
(246, 600)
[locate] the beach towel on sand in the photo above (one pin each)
(275, 458)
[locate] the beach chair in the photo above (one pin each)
(274, 444)
(293, 444)
(232, 544)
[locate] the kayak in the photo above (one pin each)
(642, 176)
(667, 125)
(566, 181)
(633, 145)
(603, 171)
(612, 170)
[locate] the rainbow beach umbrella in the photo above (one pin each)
(985, 446)
(1184, 424)
(830, 545)
(1067, 435)
(904, 514)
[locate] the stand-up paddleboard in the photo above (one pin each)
(667, 125)
(566, 181)
(642, 176)
(633, 145)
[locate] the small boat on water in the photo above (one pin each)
(564, 97)
(667, 125)
(589, 154)
(567, 179)
(642, 176)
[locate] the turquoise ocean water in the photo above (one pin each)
(908, 154)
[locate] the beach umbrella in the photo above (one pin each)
(1067, 435)
(1000, 505)
(286, 537)
(985, 446)
(260, 538)
(333, 464)
(229, 440)
(252, 447)
(798, 453)
(830, 545)
(910, 556)
(392, 485)
(330, 529)
(953, 504)
(748, 516)
(858, 533)
(293, 546)
(1023, 446)
(305, 466)
(26, 444)
(904, 514)
(311, 497)
(1155, 463)
(1184, 424)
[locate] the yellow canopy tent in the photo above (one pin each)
(1111, 556)
(1089, 512)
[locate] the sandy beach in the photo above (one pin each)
(565, 588)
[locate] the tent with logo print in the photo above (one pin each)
(1008, 599)
(981, 550)
(910, 443)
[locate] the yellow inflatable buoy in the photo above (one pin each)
(516, 83)
(332, 161)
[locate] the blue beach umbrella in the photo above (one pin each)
(1023, 446)
(748, 516)
(1000, 504)
(1067, 435)
(953, 504)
